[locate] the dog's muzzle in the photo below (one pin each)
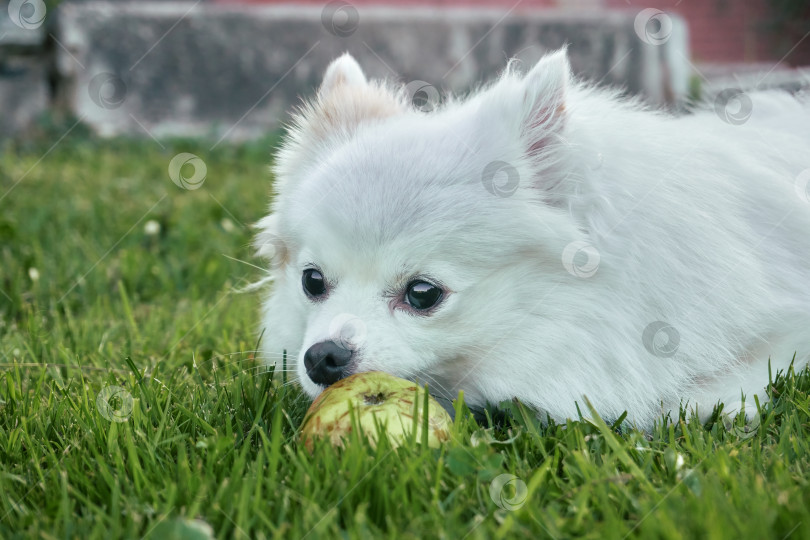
(327, 362)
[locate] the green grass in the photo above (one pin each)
(212, 437)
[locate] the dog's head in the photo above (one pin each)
(416, 243)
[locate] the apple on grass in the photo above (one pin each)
(375, 398)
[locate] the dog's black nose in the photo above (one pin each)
(326, 361)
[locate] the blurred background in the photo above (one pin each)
(230, 70)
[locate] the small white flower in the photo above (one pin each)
(227, 225)
(33, 273)
(679, 462)
(151, 227)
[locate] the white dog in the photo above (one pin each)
(541, 240)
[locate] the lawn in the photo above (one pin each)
(116, 283)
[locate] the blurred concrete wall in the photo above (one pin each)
(24, 90)
(232, 72)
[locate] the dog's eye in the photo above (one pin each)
(422, 295)
(313, 282)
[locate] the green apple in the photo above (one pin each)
(375, 398)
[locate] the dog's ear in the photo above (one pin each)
(345, 71)
(546, 87)
(346, 99)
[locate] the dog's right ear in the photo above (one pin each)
(346, 99)
(345, 71)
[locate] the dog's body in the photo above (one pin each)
(578, 245)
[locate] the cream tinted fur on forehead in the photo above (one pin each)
(344, 101)
(642, 261)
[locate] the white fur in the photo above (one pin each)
(696, 223)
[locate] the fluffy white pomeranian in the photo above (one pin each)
(543, 240)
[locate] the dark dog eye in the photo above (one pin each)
(313, 282)
(422, 295)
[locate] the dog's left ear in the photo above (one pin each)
(546, 87)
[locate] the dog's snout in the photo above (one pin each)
(326, 362)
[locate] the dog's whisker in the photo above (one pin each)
(256, 285)
(426, 377)
(272, 355)
(216, 357)
(222, 365)
(263, 270)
